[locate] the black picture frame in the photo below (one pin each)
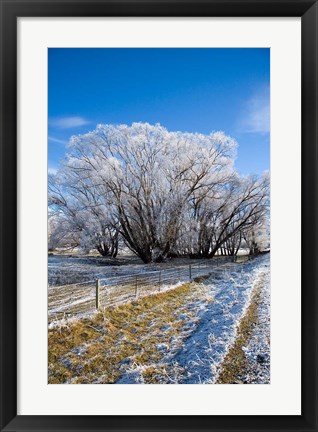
(10, 11)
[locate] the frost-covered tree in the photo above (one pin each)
(219, 220)
(257, 236)
(81, 213)
(150, 175)
(164, 193)
(245, 205)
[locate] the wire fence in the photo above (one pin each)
(86, 297)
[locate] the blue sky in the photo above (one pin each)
(192, 90)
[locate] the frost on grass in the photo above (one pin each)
(178, 336)
(207, 338)
(118, 338)
(257, 350)
(125, 286)
(248, 359)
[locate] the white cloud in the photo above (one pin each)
(52, 170)
(57, 140)
(256, 114)
(68, 122)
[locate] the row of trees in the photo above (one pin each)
(162, 193)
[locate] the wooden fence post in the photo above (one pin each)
(136, 288)
(190, 273)
(97, 293)
(159, 280)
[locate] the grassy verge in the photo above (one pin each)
(101, 348)
(235, 363)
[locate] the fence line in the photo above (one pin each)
(78, 298)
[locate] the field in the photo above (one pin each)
(211, 328)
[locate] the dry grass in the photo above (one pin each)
(99, 349)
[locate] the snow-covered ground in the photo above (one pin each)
(121, 280)
(257, 350)
(63, 270)
(195, 354)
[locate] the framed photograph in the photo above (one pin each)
(158, 215)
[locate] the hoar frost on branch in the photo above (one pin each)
(164, 193)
